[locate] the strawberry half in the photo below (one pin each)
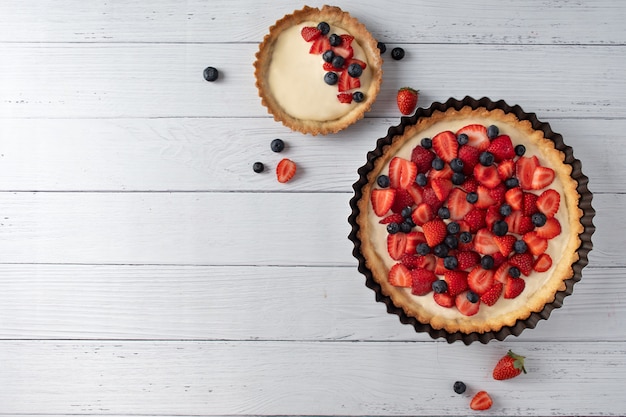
(543, 263)
(345, 98)
(441, 187)
(402, 172)
(536, 244)
(477, 135)
(347, 82)
(481, 401)
(514, 197)
(435, 232)
(480, 280)
(443, 299)
(396, 245)
(467, 259)
(522, 261)
(550, 230)
(423, 213)
(310, 33)
(501, 148)
(285, 170)
(403, 199)
(400, 276)
(542, 177)
(465, 306)
(513, 287)
(382, 200)
(492, 295)
(548, 202)
(422, 158)
(524, 171)
(458, 204)
(422, 281)
(445, 145)
(484, 243)
(457, 282)
(320, 45)
(505, 244)
(487, 176)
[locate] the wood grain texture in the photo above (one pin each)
(165, 80)
(216, 154)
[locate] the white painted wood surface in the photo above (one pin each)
(146, 270)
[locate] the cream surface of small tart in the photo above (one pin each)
(539, 286)
(296, 77)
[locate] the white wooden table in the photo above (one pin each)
(145, 269)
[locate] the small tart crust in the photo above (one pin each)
(402, 298)
(337, 18)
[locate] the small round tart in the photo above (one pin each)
(469, 220)
(318, 70)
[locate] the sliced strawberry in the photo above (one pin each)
(346, 40)
(465, 306)
(480, 280)
(347, 82)
(345, 98)
(435, 232)
(484, 197)
(396, 245)
(458, 204)
(477, 135)
(328, 66)
(310, 33)
(430, 198)
(502, 148)
(362, 64)
(413, 238)
(513, 287)
(484, 243)
(423, 213)
(523, 261)
(506, 169)
(422, 158)
(320, 45)
(498, 193)
(457, 282)
(502, 273)
(498, 259)
(411, 261)
(481, 401)
(518, 223)
(542, 177)
(470, 157)
(548, 202)
(285, 170)
(487, 176)
(493, 215)
(524, 170)
(443, 299)
(428, 262)
(416, 192)
(445, 145)
(492, 295)
(543, 263)
(551, 229)
(514, 197)
(475, 219)
(441, 187)
(440, 267)
(470, 185)
(422, 281)
(505, 244)
(530, 204)
(402, 172)
(536, 244)
(467, 259)
(403, 199)
(382, 200)
(345, 51)
(392, 218)
(445, 173)
(400, 276)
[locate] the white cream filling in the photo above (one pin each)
(534, 281)
(296, 77)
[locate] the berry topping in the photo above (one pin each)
(465, 305)
(319, 45)
(480, 280)
(382, 200)
(400, 276)
(513, 287)
(407, 100)
(285, 170)
(435, 232)
(422, 281)
(445, 146)
(492, 295)
(323, 27)
(344, 98)
(402, 172)
(331, 78)
(492, 131)
(548, 202)
(543, 263)
(358, 96)
(481, 401)
(501, 148)
(310, 33)
(477, 136)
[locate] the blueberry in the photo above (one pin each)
(358, 96)
(338, 62)
(514, 272)
(421, 179)
(440, 286)
(422, 249)
(331, 78)
(520, 150)
(277, 145)
(383, 181)
(472, 297)
(520, 246)
(465, 237)
(471, 197)
(323, 27)
(443, 213)
(453, 228)
(462, 139)
(328, 56)
(486, 159)
(505, 210)
(211, 74)
(334, 39)
(438, 164)
(450, 262)
(487, 262)
(441, 250)
(457, 165)
(511, 183)
(405, 227)
(393, 228)
(451, 241)
(406, 212)
(397, 53)
(458, 178)
(382, 47)
(493, 132)
(459, 387)
(258, 167)
(355, 70)
(539, 219)
(500, 228)
(426, 143)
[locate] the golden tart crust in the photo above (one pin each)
(335, 17)
(499, 316)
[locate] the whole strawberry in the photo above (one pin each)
(509, 366)
(407, 100)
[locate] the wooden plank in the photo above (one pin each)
(251, 303)
(312, 378)
(211, 228)
(449, 21)
(207, 154)
(165, 80)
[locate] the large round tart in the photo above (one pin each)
(301, 83)
(469, 219)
